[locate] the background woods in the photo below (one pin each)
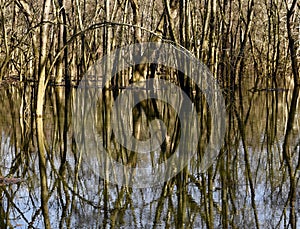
(58, 40)
(252, 49)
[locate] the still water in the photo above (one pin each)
(253, 183)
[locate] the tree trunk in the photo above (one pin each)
(44, 32)
(292, 42)
(62, 40)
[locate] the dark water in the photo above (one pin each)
(254, 181)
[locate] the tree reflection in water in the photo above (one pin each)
(253, 183)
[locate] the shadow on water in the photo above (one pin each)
(254, 182)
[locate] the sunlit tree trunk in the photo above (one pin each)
(62, 63)
(292, 40)
(213, 39)
(44, 33)
(107, 38)
(4, 64)
(205, 31)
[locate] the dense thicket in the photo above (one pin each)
(234, 38)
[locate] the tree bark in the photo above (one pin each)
(44, 32)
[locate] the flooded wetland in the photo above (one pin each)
(162, 114)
